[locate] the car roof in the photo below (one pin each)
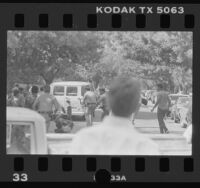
(70, 83)
(22, 114)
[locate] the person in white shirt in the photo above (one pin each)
(116, 135)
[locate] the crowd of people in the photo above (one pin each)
(119, 107)
(40, 100)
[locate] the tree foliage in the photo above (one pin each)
(59, 55)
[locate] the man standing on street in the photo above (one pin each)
(90, 102)
(116, 135)
(103, 101)
(163, 103)
(45, 105)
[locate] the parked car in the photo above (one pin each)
(180, 108)
(72, 91)
(173, 110)
(183, 106)
(26, 134)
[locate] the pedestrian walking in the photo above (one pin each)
(90, 102)
(45, 104)
(116, 135)
(163, 103)
(103, 102)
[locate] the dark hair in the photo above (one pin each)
(124, 96)
(15, 92)
(42, 88)
(34, 89)
(21, 89)
(47, 88)
(87, 88)
(102, 89)
(160, 86)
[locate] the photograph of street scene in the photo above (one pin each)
(99, 93)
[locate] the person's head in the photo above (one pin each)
(17, 85)
(102, 90)
(15, 92)
(160, 87)
(124, 96)
(34, 90)
(87, 88)
(41, 89)
(47, 88)
(21, 90)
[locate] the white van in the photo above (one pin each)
(72, 91)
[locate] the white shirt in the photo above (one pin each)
(114, 136)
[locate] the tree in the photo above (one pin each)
(49, 55)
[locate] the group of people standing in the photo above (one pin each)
(38, 99)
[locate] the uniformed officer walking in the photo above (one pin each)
(45, 104)
(90, 102)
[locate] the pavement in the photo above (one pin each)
(146, 122)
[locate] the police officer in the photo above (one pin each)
(45, 105)
(103, 102)
(90, 102)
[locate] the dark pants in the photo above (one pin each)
(161, 114)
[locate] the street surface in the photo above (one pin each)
(146, 122)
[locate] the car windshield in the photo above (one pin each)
(18, 140)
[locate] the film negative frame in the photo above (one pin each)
(73, 17)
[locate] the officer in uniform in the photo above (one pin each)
(90, 102)
(103, 102)
(45, 105)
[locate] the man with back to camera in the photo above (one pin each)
(45, 104)
(163, 102)
(116, 135)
